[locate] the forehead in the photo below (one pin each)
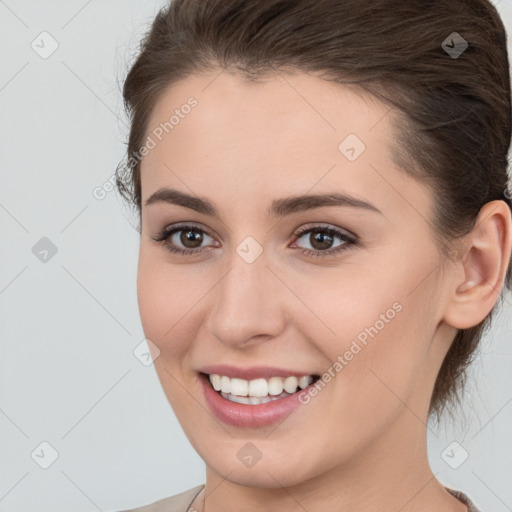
(296, 105)
(289, 132)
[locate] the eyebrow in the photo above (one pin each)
(278, 208)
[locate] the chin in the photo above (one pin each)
(267, 472)
(268, 477)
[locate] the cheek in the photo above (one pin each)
(163, 299)
(375, 333)
(346, 306)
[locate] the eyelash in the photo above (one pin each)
(165, 234)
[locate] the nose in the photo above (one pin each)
(248, 304)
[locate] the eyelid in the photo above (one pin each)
(327, 227)
(172, 228)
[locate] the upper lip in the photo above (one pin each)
(254, 372)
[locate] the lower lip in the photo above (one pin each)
(242, 415)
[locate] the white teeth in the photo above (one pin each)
(237, 399)
(305, 381)
(225, 384)
(215, 380)
(252, 400)
(290, 384)
(275, 386)
(239, 387)
(259, 388)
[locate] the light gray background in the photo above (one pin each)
(69, 326)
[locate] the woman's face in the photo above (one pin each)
(356, 299)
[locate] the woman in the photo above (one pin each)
(325, 234)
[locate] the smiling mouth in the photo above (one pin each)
(258, 391)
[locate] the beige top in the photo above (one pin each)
(182, 502)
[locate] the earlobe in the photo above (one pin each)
(485, 264)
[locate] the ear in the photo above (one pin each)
(483, 266)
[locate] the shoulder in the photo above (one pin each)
(177, 503)
(182, 501)
(464, 498)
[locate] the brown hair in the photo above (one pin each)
(456, 110)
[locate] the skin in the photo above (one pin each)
(360, 444)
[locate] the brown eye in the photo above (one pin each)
(322, 238)
(183, 239)
(191, 239)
